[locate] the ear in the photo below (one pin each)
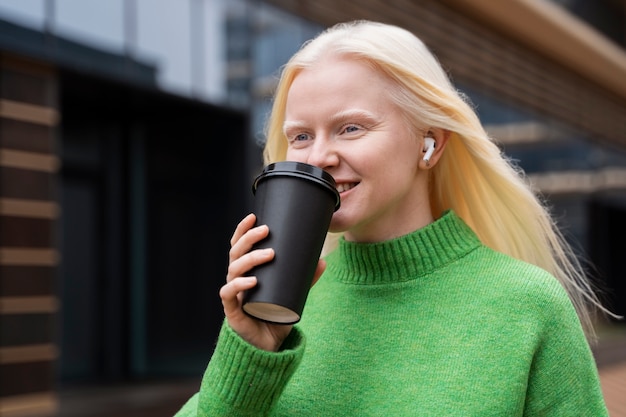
(441, 137)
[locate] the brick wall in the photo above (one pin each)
(28, 242)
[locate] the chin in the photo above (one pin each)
(338, 225)
(333, 229)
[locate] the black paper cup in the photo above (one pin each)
(296, 201)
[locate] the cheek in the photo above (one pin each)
(296, 155)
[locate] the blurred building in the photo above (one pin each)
(130, 131)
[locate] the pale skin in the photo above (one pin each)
(340, 118)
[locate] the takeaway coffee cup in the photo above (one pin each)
(296, 201)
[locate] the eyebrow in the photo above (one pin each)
(291, 125)
(337, 117)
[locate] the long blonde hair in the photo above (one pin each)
(472, 177)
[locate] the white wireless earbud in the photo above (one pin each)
(429, 148)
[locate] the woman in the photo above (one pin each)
(438, 297)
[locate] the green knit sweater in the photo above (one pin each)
(429, 324)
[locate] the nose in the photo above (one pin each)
(323, 154)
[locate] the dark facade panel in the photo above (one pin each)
(26, 329)
(26, 378)
(26, 184)
(23, 281)
(25, 136)
(25, 87)
(25, 232)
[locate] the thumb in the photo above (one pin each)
(321, 267)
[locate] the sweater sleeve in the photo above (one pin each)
(241, 380)
(563, 377)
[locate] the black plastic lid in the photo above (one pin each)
(300, 170)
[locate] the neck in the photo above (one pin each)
(377, 230)
(406, 257)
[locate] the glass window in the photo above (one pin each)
(163, 33)
(276, 37)
(209, 52)
(93, 22)
(29, 13)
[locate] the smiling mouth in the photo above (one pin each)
(346, 186)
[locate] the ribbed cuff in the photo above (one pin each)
(248, 378)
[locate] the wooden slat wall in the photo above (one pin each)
(482, 58)
(28, 245)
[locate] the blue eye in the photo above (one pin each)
(351, 128)
(301, 137)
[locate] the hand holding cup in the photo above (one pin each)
(297, 201)
(242, 259)
(273, 265)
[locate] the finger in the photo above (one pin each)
(245, 243)
(244, 225)
(240, 266)
(319, 270)
(229, 293)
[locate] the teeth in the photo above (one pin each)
(345, 187)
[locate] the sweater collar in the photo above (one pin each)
(406, 257)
